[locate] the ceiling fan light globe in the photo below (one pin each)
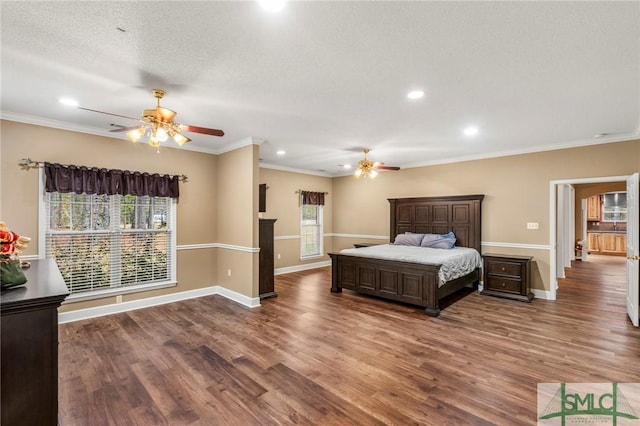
(135, 135)
(180, 139)
(373, 174)
(358, 173)
(161, 134)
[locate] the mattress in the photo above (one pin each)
(455, 262)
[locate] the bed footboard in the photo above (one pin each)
(404, 282)
(411, 283)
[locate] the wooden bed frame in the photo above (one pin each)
(414, 283)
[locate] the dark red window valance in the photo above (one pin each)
(92, 180)
(313, 198)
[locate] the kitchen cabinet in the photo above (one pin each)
(607, 243)
(615, 244)
(593, 208)
(621, 244)
(593, 242)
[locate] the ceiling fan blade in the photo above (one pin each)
(203, 130)
(383, 167)
(108, 113)
(125, 129)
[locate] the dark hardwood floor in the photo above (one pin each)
(313, 357)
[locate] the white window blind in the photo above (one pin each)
(107, 242)
(310, 231)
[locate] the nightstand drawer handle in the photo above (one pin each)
(504, 284)
(503, 269)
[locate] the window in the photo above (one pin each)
(104, 243)
(310, 231)
(614, 207)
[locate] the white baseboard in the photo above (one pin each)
(298, 268)
(249, 302)
(98, 311)
(542, 294)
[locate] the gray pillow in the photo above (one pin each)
(408, 240)
(444, 241)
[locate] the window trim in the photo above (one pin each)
(100, 294)
(320, 226)
(116, 291)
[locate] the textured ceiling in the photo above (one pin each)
(322, 80)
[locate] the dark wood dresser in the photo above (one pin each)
(30, 346)
(508, 276)
(265, 274)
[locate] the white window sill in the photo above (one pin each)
(315, 256)
(100, 294)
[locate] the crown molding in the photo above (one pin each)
(239, 144)
(543, 148)
(64, 125)
(294, 170)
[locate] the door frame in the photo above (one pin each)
(555, 209)
(583, 232)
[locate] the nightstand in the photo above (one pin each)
(508, 276)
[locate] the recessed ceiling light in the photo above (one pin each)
(347, 166)
(272, 5)
(281, 152)
(68, 102)
(415, 94)
(470, 131)
(600, 135)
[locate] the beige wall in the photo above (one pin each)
(516, 190)
(283, 205)
(197, 209)
(237, 201)
(20, 188)
(219, 203)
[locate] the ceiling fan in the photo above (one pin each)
(368, 168)
(158, 125)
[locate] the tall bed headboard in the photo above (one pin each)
(439, 215)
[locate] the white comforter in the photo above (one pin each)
(455, 262)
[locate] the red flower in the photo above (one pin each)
(8, 237)
(7, 248)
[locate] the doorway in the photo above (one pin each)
(562, 234)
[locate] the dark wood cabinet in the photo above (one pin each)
(30, 346)
(265, 274)
(508, 276)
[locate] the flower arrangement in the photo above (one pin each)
(11, 245)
